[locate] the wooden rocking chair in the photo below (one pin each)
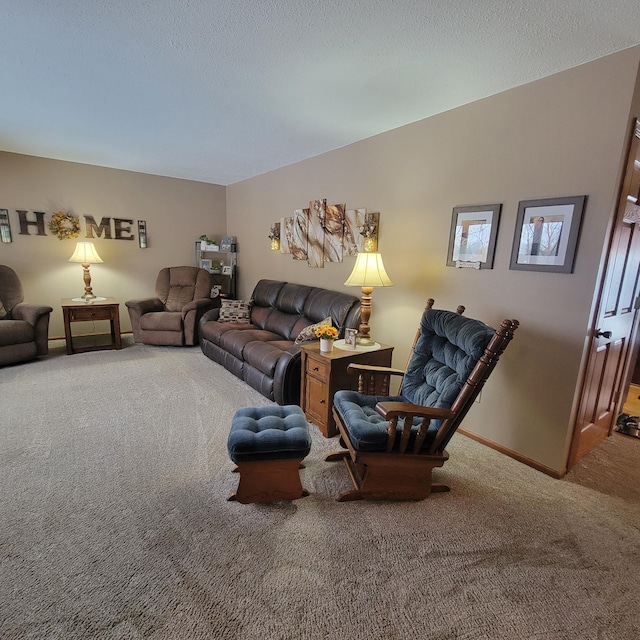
(393, 443)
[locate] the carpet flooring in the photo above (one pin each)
(115, 524)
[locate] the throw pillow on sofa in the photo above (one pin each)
(235, 311)
(309, 333)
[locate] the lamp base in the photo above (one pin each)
(365, 341)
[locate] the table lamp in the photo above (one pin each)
(368, 272)
(86, 254)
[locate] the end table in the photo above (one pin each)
(325, 373)
(81, 311)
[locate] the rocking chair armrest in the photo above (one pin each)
(354, 368)
(390, 410)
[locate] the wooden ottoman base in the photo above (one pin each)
(269, 480)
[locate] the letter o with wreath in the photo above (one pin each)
(64, 225)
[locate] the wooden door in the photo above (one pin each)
(610, 339)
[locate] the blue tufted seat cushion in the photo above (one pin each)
(367, 428)
(268, 433)
(446, 352)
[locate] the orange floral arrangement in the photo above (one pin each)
(326, 332)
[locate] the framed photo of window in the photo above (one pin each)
(205, 263)
(472, 239)
(546, 235)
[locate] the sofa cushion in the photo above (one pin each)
(266, 293)
(178, 297)
(264, 356)
(322, 303)
(292, 298)
(214, 330)
(264, 296)
(12, 293)
(162, 321)
(176, 286)
(281, 323)
(308, 333)
(235, 311)
(234, 341)
(3, 311)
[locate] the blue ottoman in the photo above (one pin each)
(268, 445)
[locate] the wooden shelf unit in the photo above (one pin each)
(229, 259)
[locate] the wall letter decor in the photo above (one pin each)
(38, 223)
(122, 232)
(104, 227)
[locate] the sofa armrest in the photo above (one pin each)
(201, 304)
(29, 312)
(145, 305)
(38, 317)
(286, 378)
(137, 308)
(212, 314)
(192, 313)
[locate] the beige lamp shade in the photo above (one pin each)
(85, 253)
(368, 272)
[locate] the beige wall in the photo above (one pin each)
(176, 213)
(563, 135)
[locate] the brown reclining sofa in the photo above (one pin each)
(262, 349)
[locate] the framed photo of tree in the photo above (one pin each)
(472, 240)
(546, 235)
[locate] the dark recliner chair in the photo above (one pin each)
(24, 328)
(183, 295)
(393, 443)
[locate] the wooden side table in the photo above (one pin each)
(81, 311)
(325, 373)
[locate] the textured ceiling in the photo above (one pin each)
(223, 90)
